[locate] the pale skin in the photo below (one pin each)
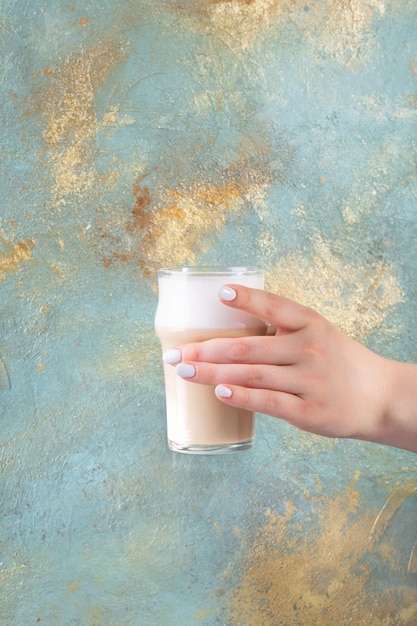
(307, 373)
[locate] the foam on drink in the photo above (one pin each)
(190, 300)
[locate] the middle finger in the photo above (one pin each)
(280, 350)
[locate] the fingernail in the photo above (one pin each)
(227, 293)
(172, 357)
(185, 370)
(223, 392)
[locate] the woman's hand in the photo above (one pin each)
(307, 373)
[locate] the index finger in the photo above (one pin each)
(271, 308)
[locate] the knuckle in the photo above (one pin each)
(254, 376)
(239, 350)
(311, 412)
(271, 404)
(313, 350)
(197, 352)
(314, 319)
(269, 306)
(314, 345)
(308, 413)
(190, 352)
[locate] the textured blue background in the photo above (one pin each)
(142, 134)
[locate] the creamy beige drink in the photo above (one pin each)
(195, 417)
(189, 310)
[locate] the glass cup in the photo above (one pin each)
(189, 310)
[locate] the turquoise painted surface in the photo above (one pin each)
(141, 134)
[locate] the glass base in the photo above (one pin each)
(215, 448)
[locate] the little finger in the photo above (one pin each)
(279, 404)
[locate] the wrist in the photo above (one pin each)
(397, 423)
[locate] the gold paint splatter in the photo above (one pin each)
(203, 614)
(413, 66)
(349, 215)
(176, 233)
(10, 260)
(72, 123)
(319, 578)
(356, 298)
(183, 223)
(342, 28)
(95, 615)
(74, 587)
(11, 577)
(185, 227)
(140, 356)
(242, 20)
(338, 29)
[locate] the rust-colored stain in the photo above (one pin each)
(320, 579)
(182, 225)
(142, 203)
(17, 253)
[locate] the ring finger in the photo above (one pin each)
(282, 378)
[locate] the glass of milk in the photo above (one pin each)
(189, 310)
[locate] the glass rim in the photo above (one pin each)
(209, 270)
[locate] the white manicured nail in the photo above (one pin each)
(185, 370)
(172, 357)
(227, 294)
(223, 392)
